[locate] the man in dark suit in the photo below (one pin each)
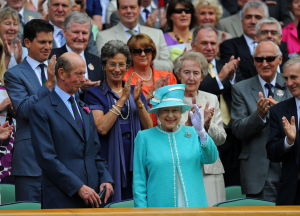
(251, 101)
(66, 143)
(283, 144)
(27, 83)
(244, 45)
(219, 81)
(77, 32)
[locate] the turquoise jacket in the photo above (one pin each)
(157, 156)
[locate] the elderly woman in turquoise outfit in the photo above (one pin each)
(167, 168)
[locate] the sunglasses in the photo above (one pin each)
(261, 59)
(138, 51)
(180, 10)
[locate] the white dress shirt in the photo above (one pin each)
(34, 64)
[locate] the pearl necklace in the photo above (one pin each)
(145, 79)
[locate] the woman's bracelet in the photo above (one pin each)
(140, 105)
(116, 109)
(114, 112)
(118, 106)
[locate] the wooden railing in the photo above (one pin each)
(210, 211)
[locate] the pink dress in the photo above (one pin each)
(290, 36)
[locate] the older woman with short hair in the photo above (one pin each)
(9, 30)
(120, 111)
(191, 68)
(168, 157)
(209, 12)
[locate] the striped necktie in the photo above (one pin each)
(77, 116)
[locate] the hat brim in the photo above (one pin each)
(184, 107)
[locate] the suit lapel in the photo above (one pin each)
(90, 66)
(30, 75)
(63, 111)
(120, 33)
(279, 94)
(85, 117)
(256, 87)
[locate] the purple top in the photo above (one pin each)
(102, 98)
(169, 40)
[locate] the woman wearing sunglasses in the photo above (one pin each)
(143, 51)
(180, 21)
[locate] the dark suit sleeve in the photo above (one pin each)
(43, 144)
(275, 145)
(18, 92)
(227, 49)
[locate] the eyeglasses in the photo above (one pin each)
(261, 59)
(180, 10)
(265, 32)
(121, 65)
(138, 51)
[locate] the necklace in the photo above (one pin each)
(119, 91)
(145, 79)
(180, 40)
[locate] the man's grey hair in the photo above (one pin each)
(77, 17)
(193, 56)
(270, 21)
(112, 48)
(198, 28)
(72, 2)
(292, 61)
(256, 5)
(278, 52)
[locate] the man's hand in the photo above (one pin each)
(263, 105)
(88, 84)
(151, 18)
(289, 129)
(5, 130)
(89, 196)
(109, 190)
(51, 73)
(229, 69)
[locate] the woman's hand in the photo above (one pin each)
(126, 90)
(18, 50)
(196, 119)
(137, 91)
(208, 114)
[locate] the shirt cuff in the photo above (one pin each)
(220, 84)
(286, 145)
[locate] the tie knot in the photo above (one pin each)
(131, 32)
(72, 100)
(146, 10)
(42, 66)
(268, 86)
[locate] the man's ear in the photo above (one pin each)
(27, 43)
(61, 73)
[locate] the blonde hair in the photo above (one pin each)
(2, 63)
(215, 4)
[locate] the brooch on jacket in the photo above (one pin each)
(87, 109)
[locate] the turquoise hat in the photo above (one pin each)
(168, 96)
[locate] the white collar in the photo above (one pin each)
(34, 63)
(263, 82)
(70, 50)
(136, 28)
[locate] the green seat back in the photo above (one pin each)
(122, 204)
(245, 202)
(20, 205)
(234, 192)
(7, 193)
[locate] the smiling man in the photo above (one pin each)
(129, 12)
(77, 32)
(251, 101)
(27, 83)
(283, 144)
(244, 45)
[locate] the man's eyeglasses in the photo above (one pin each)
(114, 65)
(138, 51)
(261, 59)
(180, 10)
(265, 32)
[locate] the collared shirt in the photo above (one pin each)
(56, 36)
(263, 82)
(250, 43)
(83, 57)
(143, 14)
(286, 145)
(64, 96)
(21, 12)
(34, 64)
(220, 84)
(136, 29)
